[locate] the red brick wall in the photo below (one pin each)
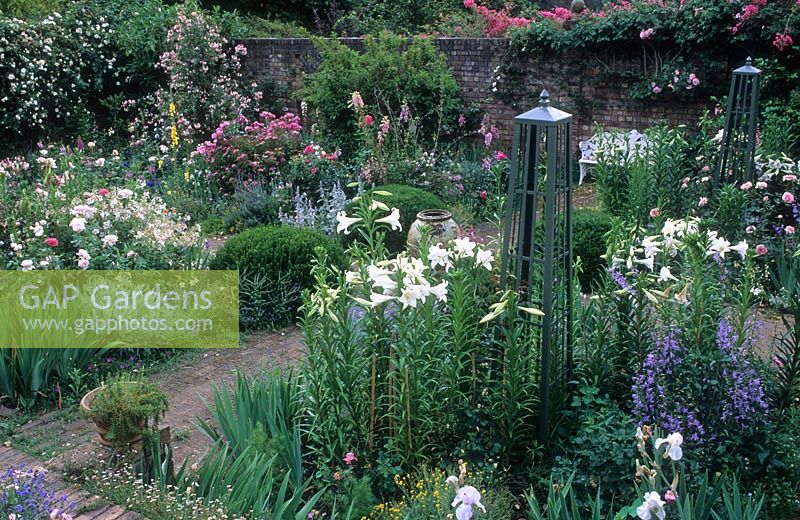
(593, 96)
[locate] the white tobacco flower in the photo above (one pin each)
(673, 442)
(344, 222)
(484, 258)
(392, 219)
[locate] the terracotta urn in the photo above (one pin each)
(437, 223)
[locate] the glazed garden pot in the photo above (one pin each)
(102, 429)
(439, 225)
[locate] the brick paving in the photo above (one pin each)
(189, 387)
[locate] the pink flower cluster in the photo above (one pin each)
(244, 150)
(497, 22)
(782, 41)
(558, 14)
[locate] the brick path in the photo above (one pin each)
(189, 387)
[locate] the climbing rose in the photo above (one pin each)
(782, 41)
(761, 250)
(788, 198)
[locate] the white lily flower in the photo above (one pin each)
(719, 246)
(438, 255)
(377, 299)
(669, 228)
(652, 504)
(647, 262)
(464, 247)
(665, 275)
(671, 244)
(410, 296)
(741, 248)
(673, 442)
(651, 246)
(344, 222)
(393, 219)
(440, 291)
(484, 258)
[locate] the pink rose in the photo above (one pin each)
(656, 88)
(102, 191)
(349, 458)
(462, 120)
(761, 185)
(368, 120)
(706, 168)
(469, 4)
(746, 186)
(790, 230)
(51, 242)
(483, 195)
(761, 250)
(788, 178)
(499, 156)
(655, 212)
(646, 34)
(788, 198)
(308, 149)
(669, 496)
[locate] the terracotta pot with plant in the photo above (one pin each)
(123, 411)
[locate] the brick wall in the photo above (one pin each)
(593, 96)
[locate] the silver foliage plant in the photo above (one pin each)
(320, 214)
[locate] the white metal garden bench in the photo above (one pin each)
(633, 142)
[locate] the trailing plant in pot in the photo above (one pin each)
(123, 411)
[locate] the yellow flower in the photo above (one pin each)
(160, 164)
(172, 110)
(174, 136)
(186, 175)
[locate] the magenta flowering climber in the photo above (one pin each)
(782, 41)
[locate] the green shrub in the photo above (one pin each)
(391, 71)
(409, 201)
(281, 255)
(126, 407)
(588, 229)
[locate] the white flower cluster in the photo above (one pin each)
(411, 281)
(50, 67)
(672, 240)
